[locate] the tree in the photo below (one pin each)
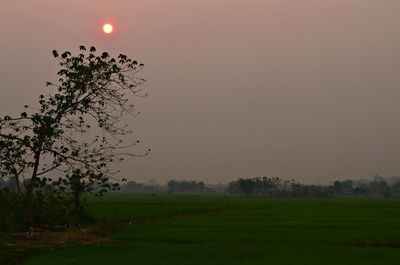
(186, 186)
(77, 130)
(246, 186)
(338, 187)
(347, 186)
(396, 188)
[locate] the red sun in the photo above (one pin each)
(108, 28)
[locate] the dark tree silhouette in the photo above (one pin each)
(69, 141)
(246, 186)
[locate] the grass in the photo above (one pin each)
(231, 230)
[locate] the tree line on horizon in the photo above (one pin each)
(277, 187)
(273, 187)
(260, 186)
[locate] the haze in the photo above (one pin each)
(305, 90)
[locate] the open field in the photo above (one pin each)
(231, 230)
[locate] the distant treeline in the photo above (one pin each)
(186, 186)
(265, 186)
(274, 186)
(277, 187)
(172, 186)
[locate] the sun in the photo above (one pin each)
(108, 28)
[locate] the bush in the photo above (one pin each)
(11, 211)
(49, 209)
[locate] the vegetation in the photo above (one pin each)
(64, 146)
(186, 186)
(52, 155)
(276, 187)
(170, 229)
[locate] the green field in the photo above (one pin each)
(235, 230)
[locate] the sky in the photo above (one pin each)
(306, 90)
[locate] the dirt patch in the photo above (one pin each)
(20, 246)
(81, 236)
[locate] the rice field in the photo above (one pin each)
(211, 230)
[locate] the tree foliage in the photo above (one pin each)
(77, 129)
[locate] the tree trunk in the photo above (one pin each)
(31, 186)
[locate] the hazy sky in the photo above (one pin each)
(305, 89)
